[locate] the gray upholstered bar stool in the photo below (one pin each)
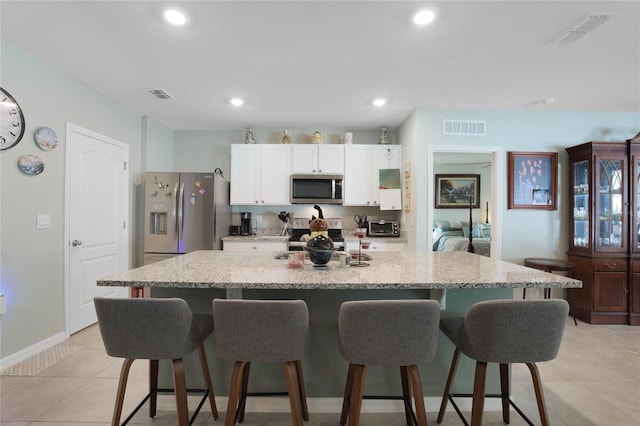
(155, 329)
(262, 331)
(391, 333)
(504, 332)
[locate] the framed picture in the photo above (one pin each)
(457, 191)
(532, 180)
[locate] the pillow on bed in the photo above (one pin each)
(443, 225)
(478, 229)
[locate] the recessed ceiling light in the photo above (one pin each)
(175, 17)
(379, 102)
(424, 17)
(236, 101)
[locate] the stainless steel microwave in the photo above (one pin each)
(384, 228)
(316, 189)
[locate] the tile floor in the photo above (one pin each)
(594, 381)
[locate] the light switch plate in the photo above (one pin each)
(43, 221)
(3, 304)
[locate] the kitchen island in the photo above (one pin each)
(200, 276)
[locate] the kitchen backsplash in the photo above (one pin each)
(264, 219)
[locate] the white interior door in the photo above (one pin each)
(97, 205)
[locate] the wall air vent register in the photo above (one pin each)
(464, 128)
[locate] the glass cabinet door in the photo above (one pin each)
(610, 193)
(636, 203)
(581, 203)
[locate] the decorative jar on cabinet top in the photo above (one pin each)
(249, 136)
(286, 138)
(317, 138)
(384, 138)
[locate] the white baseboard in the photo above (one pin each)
(32, 350)
(262, 404)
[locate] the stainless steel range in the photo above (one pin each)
(300, 227)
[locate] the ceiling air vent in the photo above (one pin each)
(160, 93)
(464, 128)
(582, 27)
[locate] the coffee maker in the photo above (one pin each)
(245, 223)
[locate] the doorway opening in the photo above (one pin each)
(462, 155)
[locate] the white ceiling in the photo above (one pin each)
(315, 64)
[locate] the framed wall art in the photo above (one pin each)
(457, 191)
(532, 180)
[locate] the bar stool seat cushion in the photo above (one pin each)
(151, 329)
(388, 332)
(261, 330)
(492, 332)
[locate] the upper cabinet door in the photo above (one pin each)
(358, 184)
(580, 231)
(635, 199)
(275, 180)
(611, 199)
(260, 174)
(317, 159)
(304, 159)
(331, 159)
(245, 169)
(385, 157)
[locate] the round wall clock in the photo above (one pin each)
(12, 121)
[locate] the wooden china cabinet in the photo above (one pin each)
(604, 240)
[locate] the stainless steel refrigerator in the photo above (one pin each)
(184, 212)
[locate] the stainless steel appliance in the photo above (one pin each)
(184, 212)
(300, 227)
(316, 189)
(245, 223)
(384, 228)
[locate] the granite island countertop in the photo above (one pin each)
(386, 270)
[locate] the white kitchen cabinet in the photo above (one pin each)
(317, 159)
(377, 245)
(260, 174)
(362, 178)
(255, 246)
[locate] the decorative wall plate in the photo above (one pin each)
(46, 138)
(31, 164)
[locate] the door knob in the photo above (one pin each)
(76, 243)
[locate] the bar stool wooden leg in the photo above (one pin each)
(207, 380)
(504, 391)
(153, 386)
(357, 391)
(303, 391)
(477, 407)
(235, 389)
(537, 386)
(447, 388)
(418, 396)
(294, 392)
(346, 399)
(242, 402)
(122, 387)
(406, 393)
(180, 386)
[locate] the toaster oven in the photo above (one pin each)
(384, 228)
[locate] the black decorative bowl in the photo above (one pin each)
(320, 250)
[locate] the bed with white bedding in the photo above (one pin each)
(447, 238)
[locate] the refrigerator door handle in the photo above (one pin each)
(176, 208)
(181, 210)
